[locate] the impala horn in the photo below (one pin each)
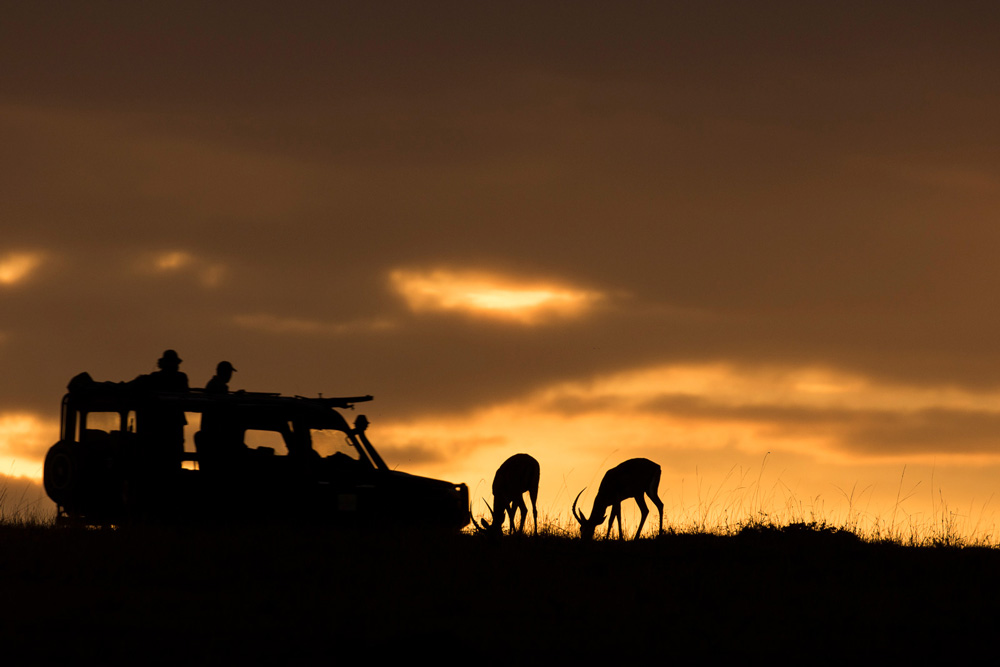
(579, 516)
(483, 525)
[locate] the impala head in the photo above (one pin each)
(487, 526)
(587, 526)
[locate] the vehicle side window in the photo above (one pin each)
(192, 426)
(256, 439)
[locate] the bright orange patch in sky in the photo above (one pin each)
(17, 266)
(24, 440)
(173, 260)
(490, 295)
(209, 274)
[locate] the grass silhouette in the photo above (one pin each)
(18, 507)
(259, 594)
(740, 503)
(745, 571)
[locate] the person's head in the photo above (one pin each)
(169, 361)
(225, 370)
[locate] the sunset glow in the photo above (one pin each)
(170, 261)
(763, 257)
(489, 295)
(705, 424)
(18, 266)
(181, 262)
(24, 439)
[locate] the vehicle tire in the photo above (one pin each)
(61, 473)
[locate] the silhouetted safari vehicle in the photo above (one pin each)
(128, 453)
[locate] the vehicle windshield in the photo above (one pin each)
(328, 442)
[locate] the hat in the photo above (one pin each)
(170, 355)
(224, 365)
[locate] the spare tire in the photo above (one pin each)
(61, 474)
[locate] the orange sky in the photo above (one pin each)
(753, 242)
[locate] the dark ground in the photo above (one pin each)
(256, 595)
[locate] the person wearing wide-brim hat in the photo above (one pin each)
(169, 376)
(164, 425)
(169, 358)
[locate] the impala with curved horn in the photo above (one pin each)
(514, 477)
(631, 479)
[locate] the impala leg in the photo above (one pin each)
(659, 507)
(524, 515)
(533, 496)
(616, 513)
(654, 484)
(644, 511)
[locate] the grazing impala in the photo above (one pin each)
(631, 479)
(516, 475)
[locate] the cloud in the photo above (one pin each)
(17, 267)
(936, 432)
(815, 413)
(416, 453)
(273, 324)
(965, 174)
(171, 261)
(491, 295)
(184, 263)
(24, 440)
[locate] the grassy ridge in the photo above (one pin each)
(165, 595)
